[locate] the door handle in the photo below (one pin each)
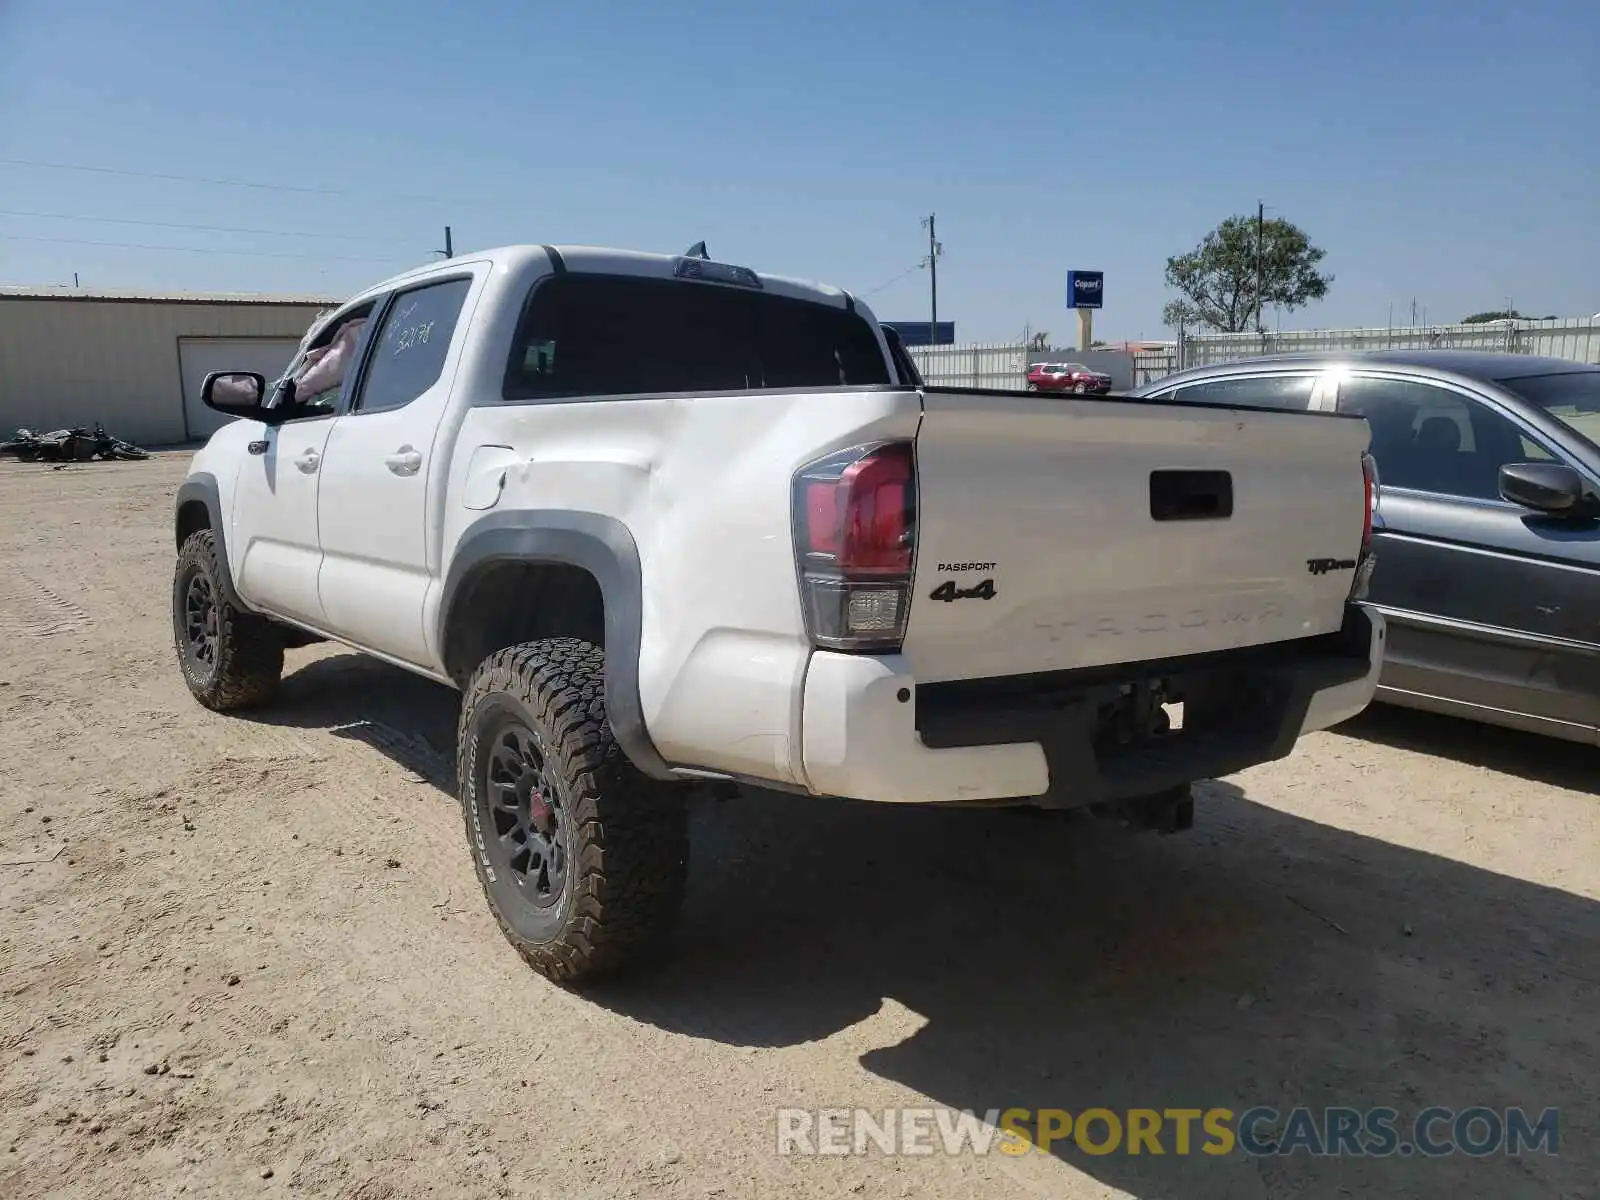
(404, 461)
(308, 461)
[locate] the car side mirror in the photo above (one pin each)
(236, 393)
(1546, 487)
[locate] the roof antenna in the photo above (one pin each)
(698, 250)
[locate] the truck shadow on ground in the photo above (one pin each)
(1056, 962)
(1530, 756)
(406, 717)
(1059, 963)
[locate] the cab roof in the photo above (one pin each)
(606, 261)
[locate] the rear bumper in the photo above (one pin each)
(872, 733)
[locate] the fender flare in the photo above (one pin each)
(603, 547)
(202, 487)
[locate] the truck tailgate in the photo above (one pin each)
(1056, 533)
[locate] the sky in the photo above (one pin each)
(1442, 153)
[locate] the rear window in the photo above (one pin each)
(609, 335)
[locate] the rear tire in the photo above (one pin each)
(230, 658)
(582, 857)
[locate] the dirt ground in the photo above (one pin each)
(248, 957)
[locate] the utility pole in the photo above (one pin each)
(932, 263)
(1261, 213)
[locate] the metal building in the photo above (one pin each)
(135, 360)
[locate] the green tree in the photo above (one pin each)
(1484, 318)
(1217, 279)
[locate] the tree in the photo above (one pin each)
(1483, 318)
(1217, 278)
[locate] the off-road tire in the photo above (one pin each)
(627, 841)
(247, 655)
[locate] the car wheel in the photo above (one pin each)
(1033, 387)
(1080, 388)
(582, 857)
(230, 658)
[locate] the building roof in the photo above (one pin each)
(49, 291)
(579, 258)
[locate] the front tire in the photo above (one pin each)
(582, 857)
(230, 658)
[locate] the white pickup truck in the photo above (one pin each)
(666, 521)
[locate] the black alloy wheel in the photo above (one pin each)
(530, 836)
(200, 623)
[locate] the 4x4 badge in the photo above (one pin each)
(949, 592)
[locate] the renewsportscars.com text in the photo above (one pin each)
(1333, 1132)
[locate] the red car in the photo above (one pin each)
(1067, 377)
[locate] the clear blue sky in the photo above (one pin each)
(1445, 151)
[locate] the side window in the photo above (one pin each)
(314, 385)
(904, 367)
(408, 355)
(1436, 440)
(1253, 391)
(1533, 452)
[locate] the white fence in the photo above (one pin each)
(1004, 365)
(980, 365)
(1574, 338)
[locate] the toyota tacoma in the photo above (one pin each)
(667, 522)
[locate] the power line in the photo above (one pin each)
(347, 237)
(916, 266)
(240, 183)
(18, 237)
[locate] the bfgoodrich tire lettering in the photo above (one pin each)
(581, 856)
(230, 658)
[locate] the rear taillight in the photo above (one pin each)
(1365, 561)
(855, 536)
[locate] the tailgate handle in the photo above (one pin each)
(1191, 495)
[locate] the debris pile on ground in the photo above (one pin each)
(77, 444)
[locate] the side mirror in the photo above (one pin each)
(236, 393)
(1546, 487)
